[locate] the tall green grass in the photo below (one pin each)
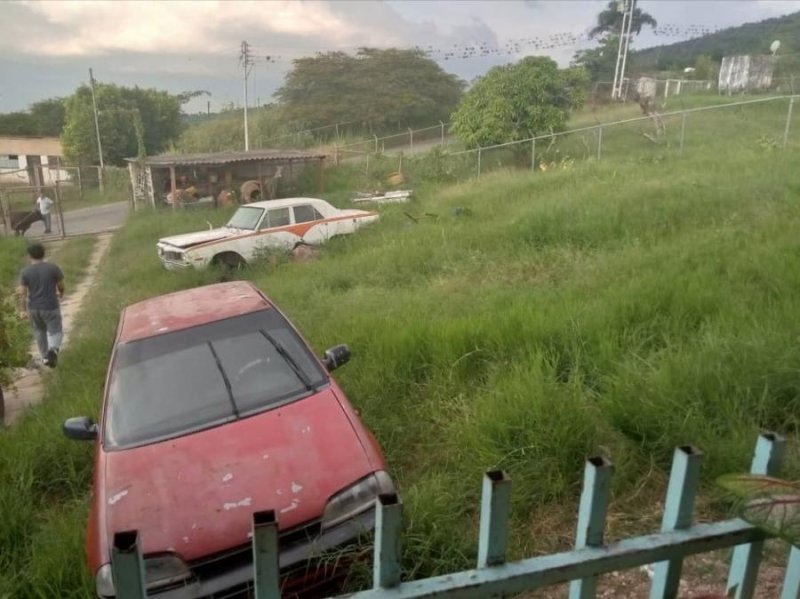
(616, 307)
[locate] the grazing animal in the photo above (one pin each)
(22, 221)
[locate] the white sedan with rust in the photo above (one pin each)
(261, 227)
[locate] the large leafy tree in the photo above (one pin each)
(378, 88)
(599, 62)
(609, 21)
(119, 108)
(45, 118)
(518, 101)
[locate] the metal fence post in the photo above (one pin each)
(442, 124)
(479, 162)
(747, 558)
(6, 214)
(592, 518)
(60, 210)
(388, 524)
(788, 123)
(683, 132)
(599, 142)
(376, 144)
(80, 183)
(678, 513)
(493, 536)
(265, 555)
(127, 567)
(410, 140)
(533, 155)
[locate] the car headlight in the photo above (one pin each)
(160, 570)
(356, 499)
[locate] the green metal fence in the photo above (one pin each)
(493, 576)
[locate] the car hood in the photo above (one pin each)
(195, 495)
(189, 239)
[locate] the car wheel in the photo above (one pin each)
(229, 261)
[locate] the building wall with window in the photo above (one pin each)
(31, 161)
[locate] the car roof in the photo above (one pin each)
(189, 308)
(285, 202)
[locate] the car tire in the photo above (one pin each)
(229, 261)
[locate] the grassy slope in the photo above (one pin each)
(625, 307)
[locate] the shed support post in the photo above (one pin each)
(173, 186)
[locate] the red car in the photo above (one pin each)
(215, 408)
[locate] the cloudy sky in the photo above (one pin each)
(48, 47)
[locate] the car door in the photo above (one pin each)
(275, 231)
(310, 225)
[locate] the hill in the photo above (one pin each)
(745, 39)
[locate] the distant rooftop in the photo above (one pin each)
(229, 157)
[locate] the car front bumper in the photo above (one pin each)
(239, 579)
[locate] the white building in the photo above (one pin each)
(31, 160)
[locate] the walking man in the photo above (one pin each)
(41, 286)
(43, 204)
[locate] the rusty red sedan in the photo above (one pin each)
(215, 408)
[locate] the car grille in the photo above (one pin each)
(174, 256)
(302, 580)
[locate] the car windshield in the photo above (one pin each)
(246, 217)
(177, 383)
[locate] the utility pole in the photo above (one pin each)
(246, 60)
(97, 131)
(626, 7)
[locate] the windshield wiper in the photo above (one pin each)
(289, 360)
(224, 378)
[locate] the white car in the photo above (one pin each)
(260, 227)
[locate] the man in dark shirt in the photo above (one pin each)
(41, 286)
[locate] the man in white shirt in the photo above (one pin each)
(43, 205)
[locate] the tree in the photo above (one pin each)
(515, 102)
(117, 114)
(609, 21)
(379, 88)
(45, 118)
(705, 68)
(599, 62)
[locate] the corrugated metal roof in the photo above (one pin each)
(229, 157)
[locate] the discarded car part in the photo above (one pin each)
(226, 198)
(215, 406)
(250, 191)
(388, 197)
(262, 228)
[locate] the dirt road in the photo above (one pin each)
(86, 221)
(27, 389)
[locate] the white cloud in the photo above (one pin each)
(82, 28)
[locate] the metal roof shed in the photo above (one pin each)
(213, 173)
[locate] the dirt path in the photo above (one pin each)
(27, 388)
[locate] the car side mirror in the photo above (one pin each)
(80, 428)
(336, 356)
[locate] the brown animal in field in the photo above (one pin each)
(21, 221)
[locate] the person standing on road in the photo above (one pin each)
(43, 205)
(41, 286)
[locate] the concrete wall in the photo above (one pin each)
(23, 175)
(745, 73)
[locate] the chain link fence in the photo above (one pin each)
(70, 188)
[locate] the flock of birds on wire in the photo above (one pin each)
(461, 51)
